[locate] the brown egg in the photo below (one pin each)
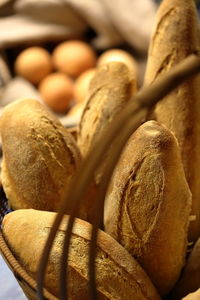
(74, 57)
(119, 55)
(81, 85)
(76, 110)
(34, 64)
(57, 91)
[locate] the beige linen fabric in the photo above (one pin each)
(114, 22)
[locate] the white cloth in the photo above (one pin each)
(114, 22)
(9, 287)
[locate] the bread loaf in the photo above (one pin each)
(119, 276)
(148, 203)
(175, 37)
(110, 89)
(190, 277)
(39, 156)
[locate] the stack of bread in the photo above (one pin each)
(152, 205)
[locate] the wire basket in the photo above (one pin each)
(130, 118)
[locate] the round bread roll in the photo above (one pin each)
(34, 64)
(39, 156)
(118, 275)
(148, 204)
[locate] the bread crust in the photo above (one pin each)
(39, 156)
(148, 203)
(119, 276)
(175, 36)
(110, 89)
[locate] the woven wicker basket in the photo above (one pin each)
(147, 97)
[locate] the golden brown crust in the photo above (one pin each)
(176, 36)
(119, 277)
(39, 156)
(148, 204)
(110, 89)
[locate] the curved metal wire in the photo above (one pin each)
(123, 126)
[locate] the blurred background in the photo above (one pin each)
(33, 36)
(33, 52)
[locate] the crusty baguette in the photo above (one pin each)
(190, 277)
(39, 156)
(176, 36)
(148, 203)
(110, 89)
(119, 276)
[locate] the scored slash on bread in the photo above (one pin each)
(118, 275)
(110, 90)
(39, 156)
(175, 36)
(148, 203)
